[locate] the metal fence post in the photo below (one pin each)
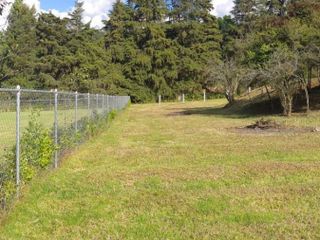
(18, 135)
(76, 112)
(97, 103)
(56, 127)
(108, 106)
(89, 105)
(103, 104)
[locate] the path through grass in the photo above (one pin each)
(178, 172)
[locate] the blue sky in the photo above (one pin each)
(60, 5)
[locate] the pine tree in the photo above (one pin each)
(149, 10)
(245, 14)
(54, 57)
(20, 37)
(75, 22)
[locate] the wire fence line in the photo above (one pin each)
(31, 119)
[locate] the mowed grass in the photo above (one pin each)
(66, 119)
(178, 171)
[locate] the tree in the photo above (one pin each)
(149, 10)
(20, 53)
(75, 22)
(245, 14)
(229, 31)
(284, 75)
(228, 75)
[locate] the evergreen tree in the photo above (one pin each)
(20, 38)
(149, 10)
(75, 22)
(245, 14)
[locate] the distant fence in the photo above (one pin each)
(41, 119)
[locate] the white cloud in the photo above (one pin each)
(222, 7)
(58, 13)
(31, 3)
(94, 10)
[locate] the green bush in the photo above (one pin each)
(37, 148)
(36, 153)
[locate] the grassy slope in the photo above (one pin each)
(159, 174)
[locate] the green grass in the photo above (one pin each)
(8, 123)
(178, 171)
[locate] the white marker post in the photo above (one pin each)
(204, 95)
(159, 100)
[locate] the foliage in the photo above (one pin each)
(229, 76)
(140, 52)
(152, 47)
(284, 76)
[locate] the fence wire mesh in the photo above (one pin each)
(64, 117)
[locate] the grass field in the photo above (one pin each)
(8, 123)
(179, 171)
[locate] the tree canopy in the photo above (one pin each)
(152, 47)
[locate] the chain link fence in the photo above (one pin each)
(37, 127)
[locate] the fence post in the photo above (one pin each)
(103, 104)
(183, 98)
(97, 103)
(204, 95)
(76, 113)
(89, 105)
(56, 127)
(107, 108)
(18, 135)
(159, 99)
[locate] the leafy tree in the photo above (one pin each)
(285, 76)
(229, 76)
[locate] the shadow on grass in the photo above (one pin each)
(239, 110)
(260, 106)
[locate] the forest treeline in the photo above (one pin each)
(167, 47)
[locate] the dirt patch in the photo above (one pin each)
(265, 124)
(269, 126)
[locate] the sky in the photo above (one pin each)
(97, 10)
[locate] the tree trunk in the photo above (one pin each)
(307, 99)
(230, 96)
(270, 99)
(289, 110)
(310, 78)
(284, 104)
